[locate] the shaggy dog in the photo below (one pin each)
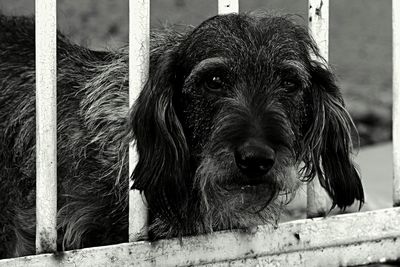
(235, 113)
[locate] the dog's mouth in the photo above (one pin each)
(256, 187)
(250, 185)
(245, 189)
(254, 191)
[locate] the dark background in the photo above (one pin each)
(360, 42)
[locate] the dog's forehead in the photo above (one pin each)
(249, 38)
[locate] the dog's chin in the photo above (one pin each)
(242, 198)
(242, 206)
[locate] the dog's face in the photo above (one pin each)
(230, 111)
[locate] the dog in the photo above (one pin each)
(235, 114)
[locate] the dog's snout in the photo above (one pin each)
(254, 159)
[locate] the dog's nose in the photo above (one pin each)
(254, 159)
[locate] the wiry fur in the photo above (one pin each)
(274, 92)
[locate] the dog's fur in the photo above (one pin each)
(236, 82)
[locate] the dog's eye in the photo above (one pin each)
(291, 85)
(214, 83)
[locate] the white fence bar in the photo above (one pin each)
(228, 6)
(349, 239)
(396, 101)
(139, 50)
(318, 22)
(46, 126)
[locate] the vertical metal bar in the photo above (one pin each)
(139, 43)
(46, 126)
(318, 22)
(228, 6)
(396, 101)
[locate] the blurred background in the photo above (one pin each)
(360, 52)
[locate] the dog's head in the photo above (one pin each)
(230, 111)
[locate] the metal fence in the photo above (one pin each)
(349, 239)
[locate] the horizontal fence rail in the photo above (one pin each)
(350, 239)
(46, 126)
(342, 240)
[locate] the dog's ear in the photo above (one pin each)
(161, 145)
(328, 141)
